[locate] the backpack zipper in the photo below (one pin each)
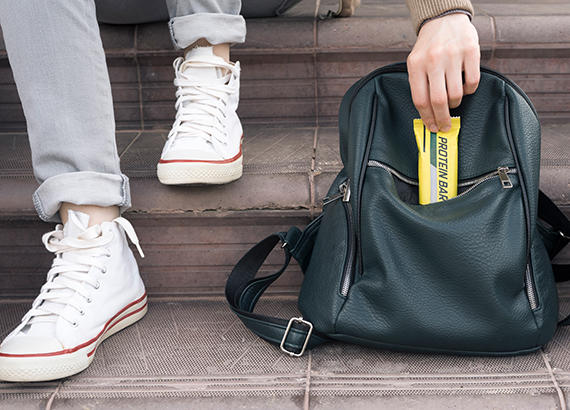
(501, 172)
(344, 194)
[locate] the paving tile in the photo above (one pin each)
(12, 118)
(363, 32)
(6, 76)
(122, 70)
(533, 29)
(530, 401)
(117, 38)
(125, 92)
(16, 159)
(2, 44)
(279, 33)
(327, 162)
(154, 36)
(517, 9)
(9, 94)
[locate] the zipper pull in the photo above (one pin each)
(504, 177)
(344, 189)
(344, 193)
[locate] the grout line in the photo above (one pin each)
(52, 397)
(315, 68)
(312, 188)
(559, 391)
(139, 83)
(143, 352)
(130, 144)
(312, 199)
(306, 400)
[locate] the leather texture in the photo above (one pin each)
(471, 275)
(448, 276)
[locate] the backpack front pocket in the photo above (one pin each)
(464, 260)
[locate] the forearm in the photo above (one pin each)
(422, 10)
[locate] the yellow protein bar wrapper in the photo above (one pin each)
(437, 164)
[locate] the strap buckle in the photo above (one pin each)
(562, 234)
(309, 332)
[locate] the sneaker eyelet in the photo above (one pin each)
(75, 324)
(97, 285)
(89, 300)
(82, 312)
(104, 270)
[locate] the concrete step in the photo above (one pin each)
(192, 236)
(195, 353)
(297, 67)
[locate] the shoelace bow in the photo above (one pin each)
(200, 106)
(70, 269)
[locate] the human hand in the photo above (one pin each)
(446, 47)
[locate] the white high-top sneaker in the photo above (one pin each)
(93, 290)
(204, 145)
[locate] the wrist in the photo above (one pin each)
(455, 14)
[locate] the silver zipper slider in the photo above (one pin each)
(344, 189)
(344, 193)
(504, 177)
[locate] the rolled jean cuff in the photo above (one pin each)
(216, 28)
(81, 188)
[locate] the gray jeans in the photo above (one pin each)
(58, 62)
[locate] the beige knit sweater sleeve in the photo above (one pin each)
(422, 10)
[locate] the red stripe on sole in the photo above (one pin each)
(203, 161)
(81, 346)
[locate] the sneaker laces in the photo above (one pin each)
(201, 104)
(69, 274)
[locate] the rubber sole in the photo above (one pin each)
(184, 173)
(34, 368)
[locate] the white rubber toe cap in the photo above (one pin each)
(30, 345)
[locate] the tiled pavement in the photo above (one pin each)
(195, 352)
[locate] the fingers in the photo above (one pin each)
(420, 96)
(445, 48)
(471, 63)
(454, 84)
(438, 99)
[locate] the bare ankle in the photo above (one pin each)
(220, 50)
(97, 214)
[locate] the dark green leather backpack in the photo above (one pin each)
(471, 275)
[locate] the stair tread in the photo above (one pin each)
(196, 348)
(285, 168)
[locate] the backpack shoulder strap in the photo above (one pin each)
(243, 290)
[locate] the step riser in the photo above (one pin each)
(184, 255)
(285, 89)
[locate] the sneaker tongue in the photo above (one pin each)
(199, 71)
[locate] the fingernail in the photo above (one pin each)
(433, 127)
(446, 128)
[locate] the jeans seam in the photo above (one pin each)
(172, 35)
(39, 207)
